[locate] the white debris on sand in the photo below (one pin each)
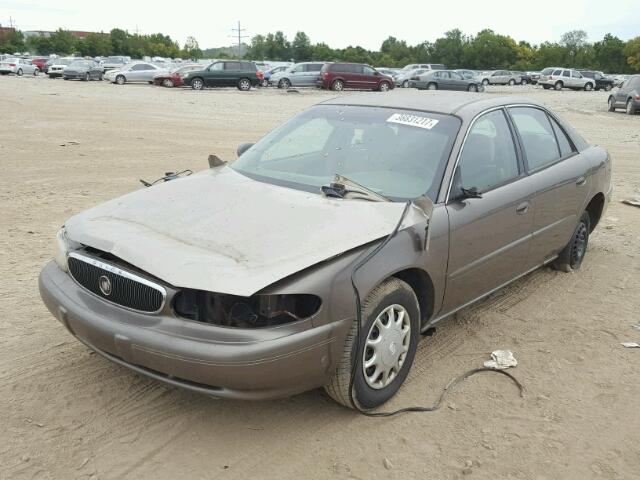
(501, 360)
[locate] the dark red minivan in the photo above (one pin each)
(338, 76)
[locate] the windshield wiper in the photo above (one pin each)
(342, 187)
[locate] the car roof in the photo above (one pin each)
(462, 104)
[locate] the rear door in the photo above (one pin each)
(231, 74)
(489, 236)
(457, 82)
(559, 174)
(311, 74)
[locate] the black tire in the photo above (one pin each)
(432, 86)
(244, 84)
(472, 88)
(546, 87)
(523, 82)
(87, 77)
(284, 83)
(120, 80)
(571, 256)
(100, 76)
(197, 83)
(612, 104)
(588, 87)
(168, 83)
(337, 86)
(36, 72)
(391, 292)
(631, 108)
(558, 86)
(19, 72)
(485, 82)
(512, 82)
(384, 87)
(607, 87)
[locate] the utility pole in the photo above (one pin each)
(239, 35)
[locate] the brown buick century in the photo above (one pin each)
(318, 257)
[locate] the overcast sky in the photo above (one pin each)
(338, 23)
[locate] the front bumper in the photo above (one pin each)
(219, 361)
(73, 75)
(55, 74)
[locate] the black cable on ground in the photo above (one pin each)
(358, 352)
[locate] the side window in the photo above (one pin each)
(314, 67)
(356, 69)
(232, 65)
(537, 136)
(488, 157)
(566, 148)
(141, 66)
(575, 74)
(566, 73)
(217, 66)
(368, 71)
(456, 76)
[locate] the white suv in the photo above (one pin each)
(565, 78)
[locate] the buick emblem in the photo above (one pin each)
(105, 285)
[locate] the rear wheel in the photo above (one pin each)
(485, 82)
(284, 83)
(167, 82)
(607, 87)
(558, 86)
(36, 72)
(87, 77)
(588, 87)
(631, 109)
(120, 80)
(100, 76)
(388, 341)
(405, 84)
(197, 84)
(612, 104)
(571, 256)
(244, 84)
(337, 86)
(432, 86)
(523, 82)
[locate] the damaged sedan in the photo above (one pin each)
(320, 255)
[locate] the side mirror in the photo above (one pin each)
(458, 192)
(243, 147)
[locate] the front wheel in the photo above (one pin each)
(244, 84)
(607, 88)
(571, 256)
(405, 84)
(337, 86)
(588, 87)
(485, 82)
(120, 80)
(197, 84)
(432, 86)
(387, 346)
(19, 72)
(284, 83)
(36, 72)
(523, 82)
(612, 104)
(167, 82)
(512, 82)
(473, 88)
(87, 77)
(384, 87)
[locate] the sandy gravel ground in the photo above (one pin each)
(66, 413)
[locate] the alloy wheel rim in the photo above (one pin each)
(244, 85)
(579, 245)
(197, 84)
(386, 346)
(384, 87)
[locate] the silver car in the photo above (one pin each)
(500, 77)
(566, 78)
(19, 66)
(298, 75)
(404, 77)
(134, 72)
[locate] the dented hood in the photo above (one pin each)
(221, 231)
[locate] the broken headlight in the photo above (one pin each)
(62, 248)
(244, 312)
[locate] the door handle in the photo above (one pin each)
(581, 181)
(522, 208)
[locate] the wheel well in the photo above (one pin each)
(594, 209)
(421, 284)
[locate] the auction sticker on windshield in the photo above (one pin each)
(413, 120)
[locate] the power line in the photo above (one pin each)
(239, 36)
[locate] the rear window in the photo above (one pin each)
(314, 67)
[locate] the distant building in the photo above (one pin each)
(5, 32)
(44, 33)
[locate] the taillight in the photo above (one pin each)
(637, 97)
(260, 74)
(12, 64)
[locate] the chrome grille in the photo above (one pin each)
(115, 285)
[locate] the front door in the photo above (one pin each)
(489, 236)
(214, 75)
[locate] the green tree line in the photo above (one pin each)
(116, 42)
(485, 50)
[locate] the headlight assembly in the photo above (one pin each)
(62, 248)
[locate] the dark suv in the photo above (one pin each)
(627, 96)
(338, 76)
(602, 82)
(228, 73)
